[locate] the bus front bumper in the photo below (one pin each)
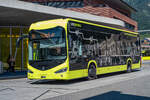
(49, 76)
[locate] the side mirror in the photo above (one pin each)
(21, 38)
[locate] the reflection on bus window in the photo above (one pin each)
(47, 44)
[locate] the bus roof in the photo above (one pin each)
(104, 25)
(62, 22)
(48, 24)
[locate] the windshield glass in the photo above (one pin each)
(47, 44)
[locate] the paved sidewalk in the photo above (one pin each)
(13, 75)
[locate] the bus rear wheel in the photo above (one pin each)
(92, 72)
(129, 69)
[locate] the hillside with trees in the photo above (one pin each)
(143, 14)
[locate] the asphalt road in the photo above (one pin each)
(116, 86)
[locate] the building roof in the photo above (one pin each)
(121, 3)
(148, 39)
(14, 12)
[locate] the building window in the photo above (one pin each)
(100, 5)
(129, 26)
(63, 4)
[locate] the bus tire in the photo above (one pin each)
(129, 65)
(92, 72)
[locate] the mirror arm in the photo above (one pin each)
(18, 42)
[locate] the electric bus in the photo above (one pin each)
(145, 54)
(65, 49)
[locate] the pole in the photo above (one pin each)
(10, 41)
(0, 47)
(22, 50)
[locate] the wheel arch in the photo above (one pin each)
(92, 62)
(129, 59)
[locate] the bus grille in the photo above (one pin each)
(44, 65)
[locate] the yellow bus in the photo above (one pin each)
(145, 54)
(65, 49)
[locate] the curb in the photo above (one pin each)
(13, 77)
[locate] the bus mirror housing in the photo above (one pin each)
(21, 38)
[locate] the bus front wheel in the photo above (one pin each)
(92, 72)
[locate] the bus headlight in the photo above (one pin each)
(61, 70)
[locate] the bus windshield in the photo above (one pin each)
(47, 44)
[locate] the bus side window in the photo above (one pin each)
(102, 44)
(138, 43)
(69, 42)
(75, 46)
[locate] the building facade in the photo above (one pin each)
(145, 44)
(116, 9)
